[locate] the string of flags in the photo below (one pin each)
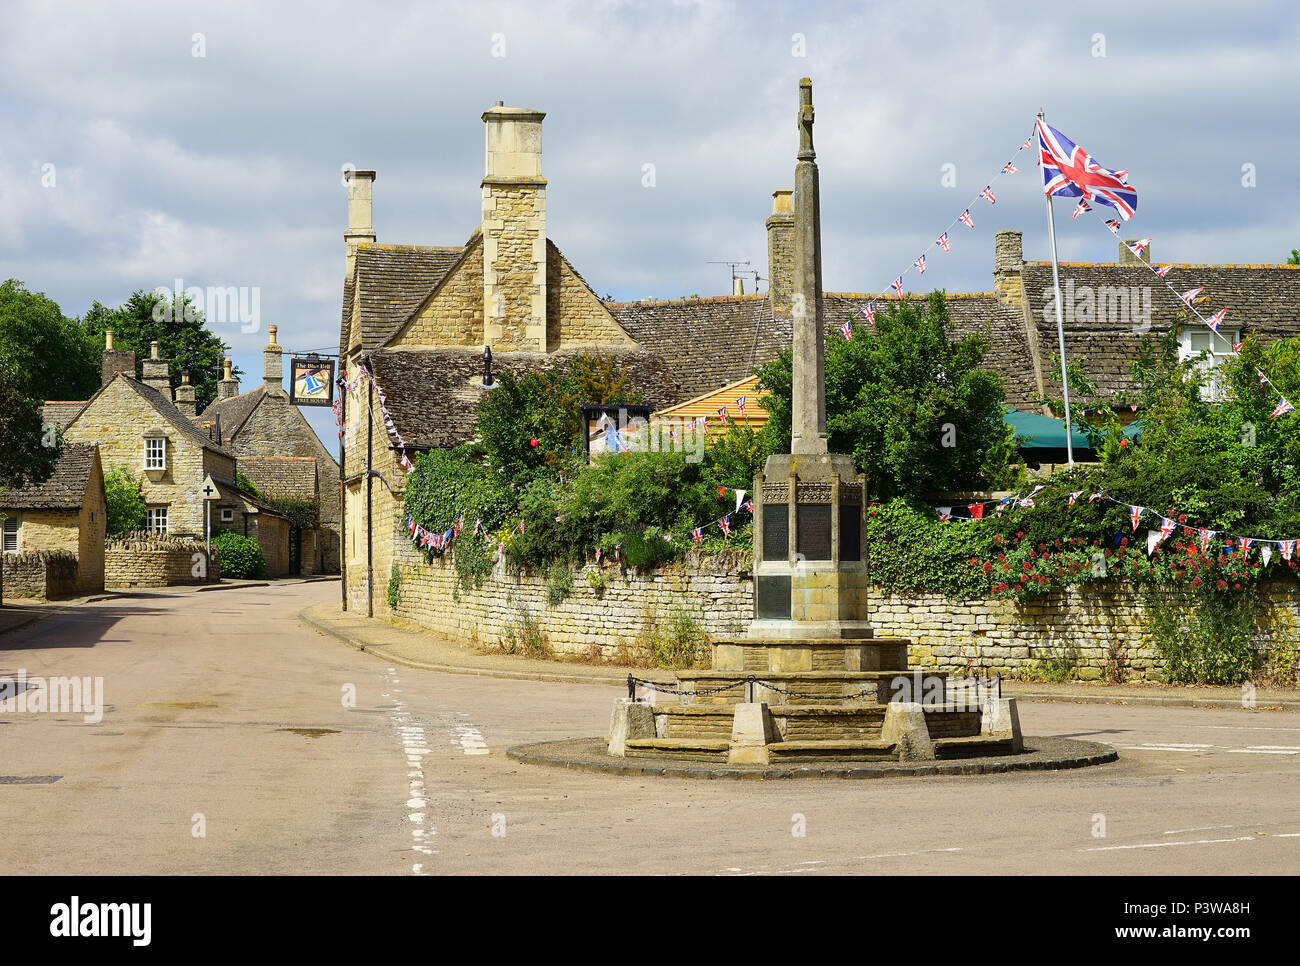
(1155, 537)
(352, 386)
(943, 241)
(1189, 298)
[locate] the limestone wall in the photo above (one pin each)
(454, 317)
(1088, 628)
(41, 574)
(154, 560)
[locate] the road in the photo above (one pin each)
(229, 743)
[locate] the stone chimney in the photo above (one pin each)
(1126, 256)
(185, 397)
(228, 387)
(514, 231)
(361, 220)
(272, 363)
(115, 361)
(158, 372)
(1008, 268)
(780, 249)
(737, 285)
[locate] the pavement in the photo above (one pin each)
(236, 739)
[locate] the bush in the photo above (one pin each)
(244, 483)
(240, 556)
(394, 587)
(301, 514)
(676, 640)
(447, 484)
(124, 502)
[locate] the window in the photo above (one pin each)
(1200, 342)
(227, 515)
(155, 519)
(155, 453)
(9, 540)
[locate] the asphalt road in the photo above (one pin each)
(224, 716)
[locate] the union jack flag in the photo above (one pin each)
(869, 313)
(698, 534)
(988, 193)
(1288, 548)
(1163, 270)
(1246, 544)
(965, 219)
(1113, 225)
(942, 242)
(1281, 409)
(1095, 496)
(740, 404)
(1080, 208)
(920, 264)
(1263, 379)
(725, 524)
(945, 513)
(1191, 293)
(1072, 172)
(749, 505)
(722, 414)
(847, 330)
(1010, 168)
(1139, 246)
(897, 286)
(1205, 537)
(1167, 527)
(1074, 496)
(1237, 346)
(1135, 514)
(1029, 143)
(598, 555)
(1216, 319)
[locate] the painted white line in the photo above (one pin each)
(1260, 751)
(1162, 845)
(1200, 828)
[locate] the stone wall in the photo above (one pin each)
(574, 315)
(514, 265)
(1084, 628)
(155, 560)
(455, 315)
(272, 535)
(592, 620)
(41, 574)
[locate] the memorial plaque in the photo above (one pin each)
(850, 532)
(774, 596)
(814, 525)
(776, 532)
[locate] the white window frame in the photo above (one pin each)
(227, 514)
(1220, 349)
(12, 527)
(156, 461)
(152, 515)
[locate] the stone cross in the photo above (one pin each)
(809, 389)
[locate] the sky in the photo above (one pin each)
(142, 143)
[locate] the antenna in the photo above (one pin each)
(731, 265)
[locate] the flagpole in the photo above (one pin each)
(1060, 325)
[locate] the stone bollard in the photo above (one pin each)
(905, 726)
(751, 732)
(629, 719)
(999, 719)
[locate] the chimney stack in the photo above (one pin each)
(228, 387)
(185, 397)
(1126, 256)
(273, 363)
(780, 249)
(1008, 268)
(514, 230)
(115, 361)
(157, 372)
(361, 220)
(737, 285)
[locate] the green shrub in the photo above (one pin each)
(244, 483)
(559, 584)
(448, 484)
(394, 587)
(301, 514)
(240, 556)
(473, 559)
(1203, 638)
(124, 502)
(524, 635)
(676, 640)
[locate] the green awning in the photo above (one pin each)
(1044, 432)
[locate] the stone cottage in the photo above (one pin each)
(62, 516)
(278, 451)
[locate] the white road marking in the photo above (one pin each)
(1162, 845)
(1200, 828)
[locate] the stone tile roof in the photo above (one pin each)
(234, 411)
(60, 413)
(393, 281)
(174, 416)
(290, 477)
(432, 394)
(64, 490)
(1263, 299)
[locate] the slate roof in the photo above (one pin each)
(60, 413)
(1263, 299)
(66, 487)
(432, 394)
(393, 280)
(174, 416)
(234, 411)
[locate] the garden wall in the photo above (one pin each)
(156, 560)
(42, 574)
(1081, 632)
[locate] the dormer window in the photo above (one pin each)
(155, 453)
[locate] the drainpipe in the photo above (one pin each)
(343, 492)
(370, 486)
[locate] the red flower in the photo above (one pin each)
(1221, 584)
(1196, 581)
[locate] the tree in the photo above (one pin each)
(45, 352)
(912, 407)
(124, 502)
(1295, 257)
(29, 453)
(178, 328)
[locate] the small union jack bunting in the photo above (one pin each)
(1191, 294)
(942, 242)
(920, 264)
(965, 219)
(897, 286)
(869, 313)
(1080, 208)
(988, 193)
(1010, 168)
